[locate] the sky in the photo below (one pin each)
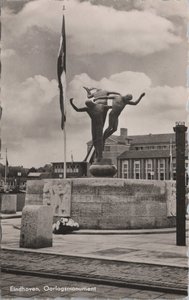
(127, 46)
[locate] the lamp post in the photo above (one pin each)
(18, 182)
(180, 130)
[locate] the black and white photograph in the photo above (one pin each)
(94, 194)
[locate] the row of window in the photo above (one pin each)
(155, 147)
(68, 170)
(149, 169)
(159, 147)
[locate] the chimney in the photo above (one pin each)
(123, 133)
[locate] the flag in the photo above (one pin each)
(61, 72)
(6, 165)
(72, 162)
(1, 112)
(0, 128)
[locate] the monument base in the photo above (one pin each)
(107, 203)
(8, 203)
(104, 168)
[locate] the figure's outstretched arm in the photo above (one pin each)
(114, 93)
(76, 108)
(108, 106)
(137, 101)
(103, 98)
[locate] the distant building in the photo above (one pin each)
(16, 177)
(73, 169)
(38, 175)
(150, 156)
(115, 145)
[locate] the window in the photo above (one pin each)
(137, 169)
(161, 169)
(125, 169)
(162, 176)
(149, 169)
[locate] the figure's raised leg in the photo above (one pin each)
(110, 130)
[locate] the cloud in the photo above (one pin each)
(31, 114)
(28, 108)
(95, 29)
(7, 53)
(162, 105)
(166, 8)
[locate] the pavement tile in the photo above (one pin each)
(53, 295)
(4, 283)
(121, 292)
(172, 296)
(84, 295)
(7, 276)
(147, 295)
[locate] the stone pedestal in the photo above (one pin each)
(104, 168)
(36, 226)
(109, 203)
(8, 203)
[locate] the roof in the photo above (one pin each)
(163, 138)
(152, 138)
(34, 174)
(137, 154)
(145, 154)
(68, 162)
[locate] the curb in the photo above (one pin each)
(94, 280)
(14, 216)
(72, 256)
(125, 232)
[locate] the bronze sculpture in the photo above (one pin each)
(96, 112)
(118, 104)
(97, 93)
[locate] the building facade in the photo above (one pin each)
(151, 156)
(73, 169)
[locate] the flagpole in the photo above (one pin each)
(5, 185)
(61, 72)
(64, 87)
(171, 160)
(64, 132)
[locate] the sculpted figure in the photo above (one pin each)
(97, 95)
(96, 112)
(118, 104)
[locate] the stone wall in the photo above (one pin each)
(8, 203)
(20, 201)
(106, 203)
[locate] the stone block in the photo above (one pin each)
(20, 201)
(36, 227)
(58, 195)
(34, 186)
(34, 199)
(8, 203)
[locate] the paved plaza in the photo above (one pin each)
(137, 264)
